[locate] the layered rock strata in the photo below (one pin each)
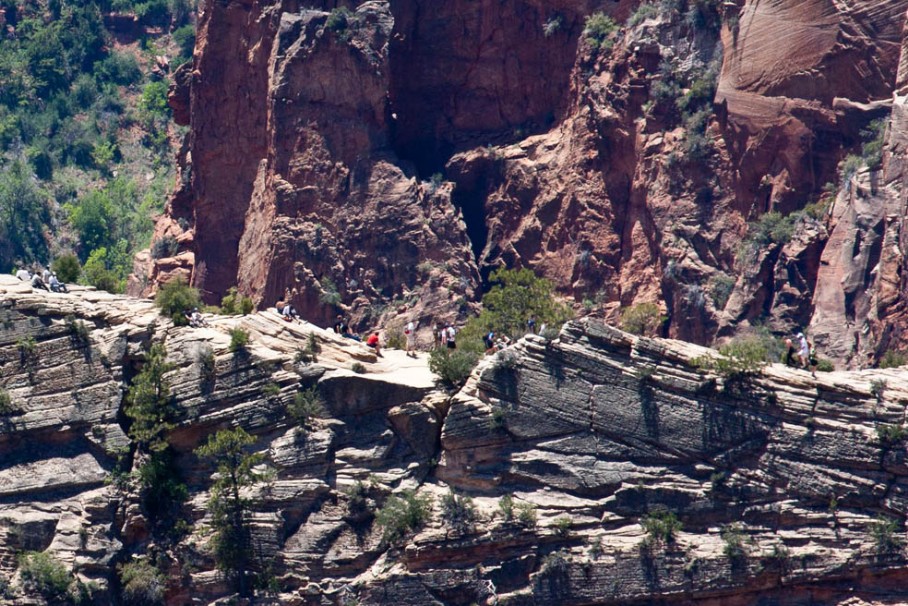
(780, 481)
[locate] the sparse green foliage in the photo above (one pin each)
(892, 359)
(458, 512)
(45, 575)
(598, 29)
(498, 420)
(770, 230)
(526, 514)
(271, 390)
(236, 471)
(239, 339)
(453, 366)
(67, 268)
(661, 526)
(207, 366)
(306, 406)
(506, 506)
(720, 288)
(562, 526)
(6, 403)
(403, 514)
(28, 351)
(78, 330)
(884, 532)
(824, 365)
(24, 210)
(329, 294)
(163, 247)
(642, 319)
(395, 338)
(743, 356)
(233, 303)
(174, 298)
(643, 12)
(889, 435)
(878, 388)
(148, 402)
(734, 549)
(142, 583)
(515, 296)
(339, 19)
(358, 368)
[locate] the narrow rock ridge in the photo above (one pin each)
(595, 429)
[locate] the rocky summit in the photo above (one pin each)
(591, 468)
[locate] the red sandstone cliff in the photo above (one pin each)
(625, 174)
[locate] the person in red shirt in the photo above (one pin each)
(372, 342)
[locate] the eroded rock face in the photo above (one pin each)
(777, 478)
(628, 172)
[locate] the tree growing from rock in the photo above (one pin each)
(236, 470)
(153, 414)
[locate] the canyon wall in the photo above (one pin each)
(779, 481)
(380, 159)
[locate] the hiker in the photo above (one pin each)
(489, 340)
(279, 306)
(56, 285)
(803, 350)
(410, 333)
(45, 275)
(450, 337)
(531, 324)
(790, 353)
(24, 275)
(372, 342)
(340, 327)
(812, 360)
(437, 336)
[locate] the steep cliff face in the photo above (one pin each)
(393, 153)
(780, 481)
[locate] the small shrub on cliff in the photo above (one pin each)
(233, 303)
(890, 435)
(28, 350)
(306, 406)
(642, 319)
(6, 403)
(892, 359)
(742, 357)
(67, 268)
(735, 548)
(453, 366)
(239, 340)
(403, 514)
(770, 229)
(506, 506)
(142, 583)
(884, 532)
(720, 289)
(339, 19)
(598, 29)
(661, 527)
(458, 512)
(642, 13)
(45, 575)
(526, 514)
(175, 297)
(164, 247)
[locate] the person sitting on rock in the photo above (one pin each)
(340, 327)
(489, 340)
(56, 285)
(373, 342)
(37, 282)
(195, 318)
(24, 275)
(290, 314)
